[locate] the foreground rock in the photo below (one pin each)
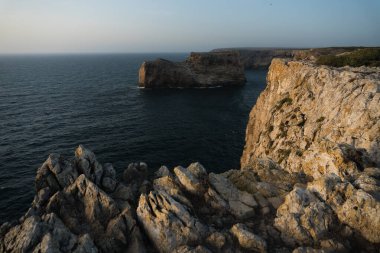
(200, 70)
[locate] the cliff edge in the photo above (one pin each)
(307, 110)
(200, 70)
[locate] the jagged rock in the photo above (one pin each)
(162, 171)
(303, 219)
(368, 184)
(188, 249)
(241, 204)
(199, 70)
(168, 223)
(354, 207)
(45, 234)
(198, 170)
(135, 172)
(84, 208)
(88, 165)
(189, 180)
(216, 240)
(326, 157)
(309, 250)
(216, 201)
(247, 239)
(168, 185)
(109, 178)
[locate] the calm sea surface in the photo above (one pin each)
(54, 103)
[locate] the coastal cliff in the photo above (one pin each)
(307, 110)
(309, 182)
(200, 70)
(252, 58)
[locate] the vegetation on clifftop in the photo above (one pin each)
(361, 57)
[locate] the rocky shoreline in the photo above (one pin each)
(309, 182)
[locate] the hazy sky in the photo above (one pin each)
(61, 26)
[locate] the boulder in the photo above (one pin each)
(303, 219)
(247, 239)
(168, 223)
(241, 204)
(189, 181)
(354, 207)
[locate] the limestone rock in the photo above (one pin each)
(188, 249)
(303, 219)
(247, 239)
(109, 178)
(354, 207)
(88, 165)
(304, 104)
(189, 180)
(199, 70)
(162, 171)
(45, 234)
(241, 204)
(169, 185)
(135, 172)
(168, 223)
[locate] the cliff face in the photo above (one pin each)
(307, 111)
(199, 70)
(309, 182)
(252, 58)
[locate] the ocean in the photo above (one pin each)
(53, 103)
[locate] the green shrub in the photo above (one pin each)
(360, 57)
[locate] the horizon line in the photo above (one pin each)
(174, 52)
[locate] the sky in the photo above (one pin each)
(125, 26)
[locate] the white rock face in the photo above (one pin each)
(354, 207)
(303, 218)
(247, 239)
(167, 222)
(303, 105)
(241, 203)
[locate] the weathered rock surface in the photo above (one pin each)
(317, 120)
(199, 70)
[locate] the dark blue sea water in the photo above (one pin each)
(54, 103)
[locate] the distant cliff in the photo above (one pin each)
(252, 58)
(200, 70)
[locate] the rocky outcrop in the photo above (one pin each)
(200, 70)
(317, 120)
(322, 125)
(303, 187)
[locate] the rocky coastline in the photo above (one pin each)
(200, 70)
(309, 182)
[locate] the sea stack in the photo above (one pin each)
(200, 70)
